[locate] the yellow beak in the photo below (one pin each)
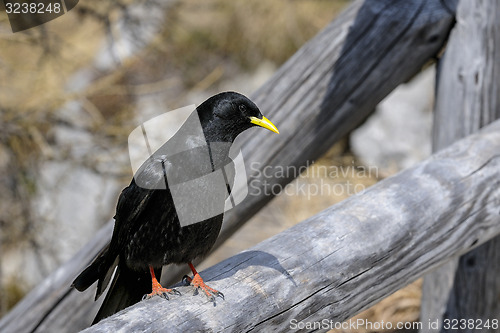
(264, 122)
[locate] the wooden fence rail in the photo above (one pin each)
(349, 256)
(323, 92)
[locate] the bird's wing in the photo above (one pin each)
(128, 287)
(147, 191)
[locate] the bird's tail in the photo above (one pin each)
(101, 269)
(127, 288)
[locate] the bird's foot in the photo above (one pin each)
(160, 291)
(198, 283)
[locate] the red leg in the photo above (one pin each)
(198, 283)
(157, 289)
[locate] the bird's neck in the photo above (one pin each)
(219, 153)
(217, 132)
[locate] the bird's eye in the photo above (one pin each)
(242, 108)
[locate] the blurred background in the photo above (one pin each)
(73, 89)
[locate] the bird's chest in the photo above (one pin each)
(181, 222)
(162, 240)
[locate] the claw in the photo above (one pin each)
(157, 289)
(186, 280)
(162, 292)
(198, 283)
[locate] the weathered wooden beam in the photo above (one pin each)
(347, 257)
(325, 90)
(468, 98)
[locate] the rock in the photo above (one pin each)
(398, 134)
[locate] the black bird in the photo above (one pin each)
(163, 216)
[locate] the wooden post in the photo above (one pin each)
(468, 98)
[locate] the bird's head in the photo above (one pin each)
(224, 116)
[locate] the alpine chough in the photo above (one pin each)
(149, 230)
